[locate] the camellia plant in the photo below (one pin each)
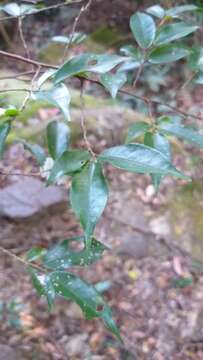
(158, 40)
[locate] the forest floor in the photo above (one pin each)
(154, 289)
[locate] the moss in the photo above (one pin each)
(186, 214)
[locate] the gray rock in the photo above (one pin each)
(77, 345)
(8, 353)
(27, 197)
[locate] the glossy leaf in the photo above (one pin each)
(58, 96)
(57, 138)
(36, 150)
(175, 31)
(182, 132)
(61, 256)
(160, 143)
(167, 53)
(113, 82)
(68, 163)
(43, 285)
(87, 63)
(88, 197)
(137, 129)
(177, 10)
(143, 28)
(4, 130)
(85, 295)
(35, 253)
(156, 10)
(139, 158)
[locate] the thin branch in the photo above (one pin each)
(19, 259)
(82, 121)
(51, 7)
(16, 76)
(22, 37)
(4, 173)
(84, 8)
(26, 60)
(124, 90)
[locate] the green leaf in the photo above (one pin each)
(14, 9)
(175, 31)
(167, 53)
(43, 285)
(45, 76)
(4, 130)
(61, 256)
(88, 197)
(177, 10)
(182, 132)
(85, 295)
(131, 51)
(87, 63)
(135, 130)
(35, 253)
(139, 158)
(36, 150)
(195, 59)
(68, 163)
(156, 10)
(57, 138)
(58, 96)
(143, 28)
(76, 38)
(160, 143)
(113, 82)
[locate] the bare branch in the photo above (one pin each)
(26, 60)
(82, 121)
(51, 7)
(84, 8)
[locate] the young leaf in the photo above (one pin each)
(171, 32)
(113, 82)
(182, 132)
(4, 130)
(143, 28)
(156, 10)
(139, 158)
(167, 53)
(135, 130)
(57, 138)
(61, 256)
(87, 63)
(43, 285)
(68, 163)
(88, 197)
(160, 143)
(85, 295)
(58, 96)
(36, 150)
